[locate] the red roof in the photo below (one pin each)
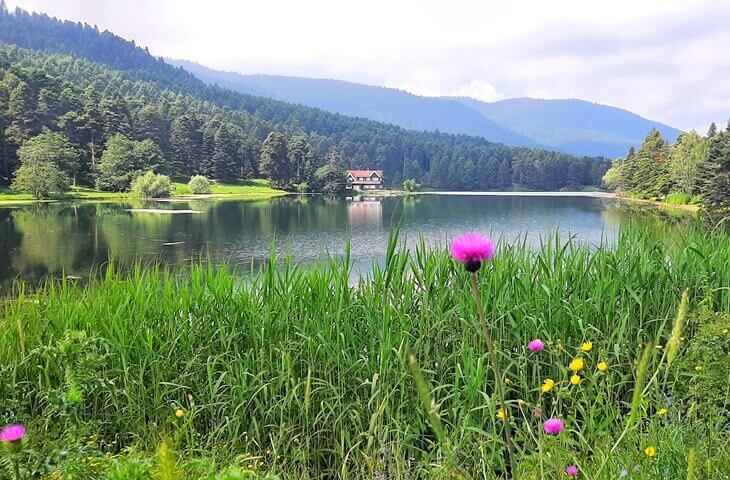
(364, 173)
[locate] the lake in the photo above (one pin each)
(72, 239)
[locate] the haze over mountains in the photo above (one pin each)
(571, 126)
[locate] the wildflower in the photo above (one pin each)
(547, 385)
(575, 379)
(536, 345)
(650, 451)
(179, 413)
(624, 473)
(699, 368)
(725, 330)
(576, 364)
(571, 471)
(538, 411)
(602, 367)
(661, 411)
(12, 433)
(553, 426)
(587, 346)
(501, 414)
(472, 249)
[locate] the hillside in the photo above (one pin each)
(92, 93)
(374, 103)
(571, 126)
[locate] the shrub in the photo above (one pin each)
(303, 187)
(199, 184)
(410, 185)
(152, 185)
(678, 199)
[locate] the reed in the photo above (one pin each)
(314, 369)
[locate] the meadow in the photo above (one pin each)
(294, 373)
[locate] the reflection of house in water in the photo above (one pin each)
(364, 211)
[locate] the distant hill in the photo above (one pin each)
(374, 103)
(571, 126)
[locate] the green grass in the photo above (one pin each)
(255, 187)
(300, 373)
(678, 199)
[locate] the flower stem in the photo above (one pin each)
(498, 381)
(16, 468)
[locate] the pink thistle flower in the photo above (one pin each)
(472, 249)
(571, 471)
(553, 426)
(12, 433)
(536, 345)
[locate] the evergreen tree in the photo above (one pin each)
(716, 187)
(712, 131)
(652, 173)
(274, 162)
(302, 159)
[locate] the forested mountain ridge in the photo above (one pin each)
(572, 126)
(381, 104)
(218, 132)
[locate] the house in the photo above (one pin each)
(360, 180)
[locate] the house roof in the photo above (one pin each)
(364, 173)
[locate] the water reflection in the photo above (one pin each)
(71, 239)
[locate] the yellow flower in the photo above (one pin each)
(501, 415)
(547, 385)
(699, 368)
(602, 366)
(179, 413)
(575, 379)
(658, 346)
(587, 346)
(576, 364)
(661, 411)
(650, 452)
(725, 330)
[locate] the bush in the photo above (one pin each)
(410, 185)
(152, 185)
(678, 199)
(303, 187)
(199, 184)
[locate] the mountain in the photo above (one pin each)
(571, 126)
(381, 104)
(93, 86)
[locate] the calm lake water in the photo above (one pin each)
(37, 241)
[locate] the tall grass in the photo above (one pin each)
(305, 365)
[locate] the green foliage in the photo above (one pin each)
(152, 185)
(124, 160)
(410, 185)
(313, 383)
(331, 178)
(678, 199)
(42, 180)
(198, 184)
(703, 370)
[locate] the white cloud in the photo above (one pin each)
(664, 60)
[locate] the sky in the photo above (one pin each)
(666, 60)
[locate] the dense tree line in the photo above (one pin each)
(694, 169)
(218, 133)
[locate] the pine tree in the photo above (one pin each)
(652, 173)
(274, 162)
(302, 159)
(716, 185)
(712, 131)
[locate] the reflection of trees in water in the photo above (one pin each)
(52, 239)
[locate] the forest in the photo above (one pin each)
(91, 86)
(695, 169)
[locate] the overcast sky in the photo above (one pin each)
(668, 60)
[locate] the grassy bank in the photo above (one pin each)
(255, 187)
(298, 373)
